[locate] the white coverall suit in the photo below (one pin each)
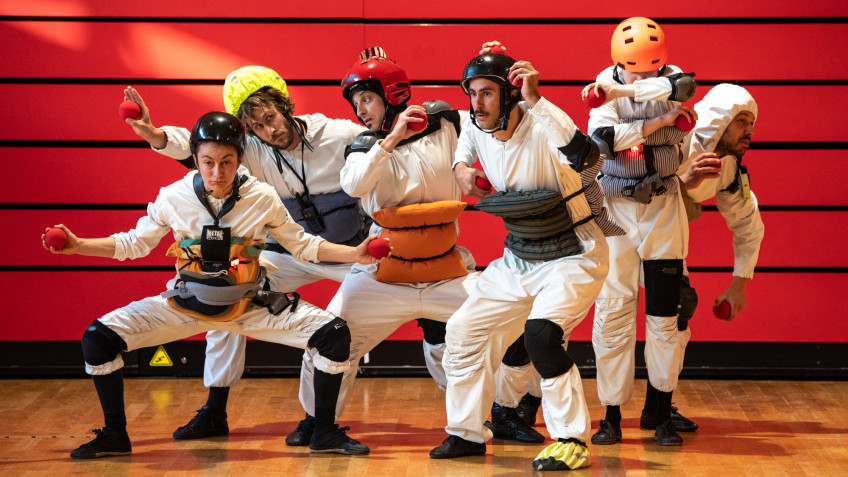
(654, 231)
(151, 321)
(224, 363)
(512, 290)
(715, 112)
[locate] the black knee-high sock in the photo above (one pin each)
(650, 399)
(663, 406)
(613, 414)
(326, 388)
(217, 400)
(110, 390)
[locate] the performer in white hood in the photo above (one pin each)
(713, 168)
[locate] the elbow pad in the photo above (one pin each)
(682, 86)
(605, 139)
(362, 143)
(581, 152)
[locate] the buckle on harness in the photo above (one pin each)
(276, 302)
(644, 191)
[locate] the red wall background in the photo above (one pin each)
(70, 159)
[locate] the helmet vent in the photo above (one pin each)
(626, 28)
(653, 38)
(629, 40)
(651, 26)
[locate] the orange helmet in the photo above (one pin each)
(638, 45)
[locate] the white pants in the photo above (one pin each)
(151, 321)
(654, 231)
(224, 363)
(508, 293)
(374, 310)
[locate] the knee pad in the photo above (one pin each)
(662, 286)
(544, 339)
(332, 340)
(516, 355)
(688, 303)
(434, 331)
(100, 344)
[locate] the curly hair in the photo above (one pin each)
(264, 97)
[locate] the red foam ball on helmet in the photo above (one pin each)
(594, 100)
(683, 123)
(56, 238)
(378, 248)
(722, 310)
(483, 183)
(417, 126)
(497, 50)
(129, 109)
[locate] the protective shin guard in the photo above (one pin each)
(326, 389)
(516, 355)
(110, 391)
(544, 340)
(332, 340)
(100, 344)
(434, 331)
(662, 286)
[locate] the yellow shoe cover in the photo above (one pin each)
(564, 454)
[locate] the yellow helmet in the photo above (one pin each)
(243, 82)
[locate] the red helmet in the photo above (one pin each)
(374, 72)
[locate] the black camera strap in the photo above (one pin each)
(300, 177)
(200, 191)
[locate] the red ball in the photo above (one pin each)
(129, 109)
(722, 310)
(417, 126)
(518, 83)
(483, 183)
(497, 50)
(683, 123)
(595, 100)
(56, 238)
(378, 248)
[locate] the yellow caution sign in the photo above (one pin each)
(161, 358)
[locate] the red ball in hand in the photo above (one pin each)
(722, 310)
(683, 123)
(129, 109)
(594, 100)
(497, 50)
(483, 183)
(378, 248)
(56, 238)
(417, 126)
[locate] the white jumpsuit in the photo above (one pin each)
(151, 321)
(415, 172)
(654, 231)
(715, 112)
(224, 363)
(512, 290)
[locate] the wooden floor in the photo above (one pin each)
(750, 428)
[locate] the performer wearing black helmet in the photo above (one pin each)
(219, 220)
(554, 264)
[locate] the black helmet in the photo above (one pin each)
(493, 66)
(221, 127)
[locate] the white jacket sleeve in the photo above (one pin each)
(149, 230)
(627, 135)
(744, 220)
(362, 171)
(465, 150)
(178, 146)
(652, 89)
(558, 126)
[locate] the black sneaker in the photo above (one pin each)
(609, 433)
(666, 436)
(333, 439)
(455, 446)
(106, 442)
(508, 426)
(302, 434)
(680, 423)
(206, 423)
(528, 407)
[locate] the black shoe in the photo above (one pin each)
(455, 446)
(333, 439)
(609, 433)
(207, 423)
(528, 407)
(106, 442)
(680, 423)
(508, 426)
(666, 436)
(302, 434)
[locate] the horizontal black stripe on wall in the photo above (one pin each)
(711, 360)
(613, 20)
(763, 145)
(335, 82)
(166, 268)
